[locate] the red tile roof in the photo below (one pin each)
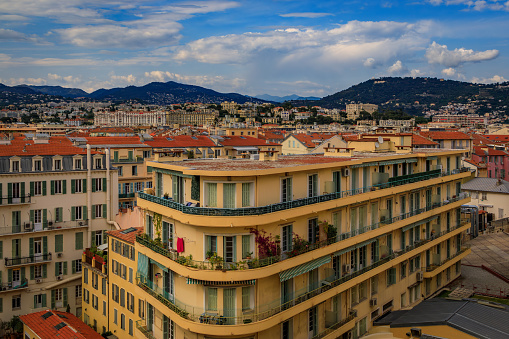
(239, 140)
(181, 141)
(483, 151)
(497, 137)
(449, 135)
(57, 145)
(43, 325)
(420, 140)
(129, 237)
(114, 140)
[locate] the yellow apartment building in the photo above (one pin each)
(56, 200)
(305, 246)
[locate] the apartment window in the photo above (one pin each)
(85, 275)
(95, 302)
(57, 165)
(98, 163)
(38, 188)
(86, 295)
(246, 194)
(131, 327)
(403, 269)
(60, 268)
(122, 321)
(134, 170)
(286, 238)
(313, 321)
(122, 297)
(37, 271)
(77, 291)
(104, 308)
(286, 190)
(374, 285)
(211, 295)
(79, 186)
(246, 298)
(98, 238)
(484, 196)
(39, 300)
(141, 309)
(146, 154)
(57, 186)
(211, 194)
(78, 212)
(313, 185)
(77, 164)
(130, 302)
(98, 209)
(104, 286)
(138, 186)
(59, 297)
(391, 276)
(313, 231)
(38, 165)
(148, 184)
(120, 171)
(15, 166)
(286, 330)
(16, 302)
(403, 300)
(59, 214)
(229, 195)
(98, 184)
(115, 316)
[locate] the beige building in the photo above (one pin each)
(56, 200)
(314, 246)
(353, 110)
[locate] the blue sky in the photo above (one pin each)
(282, 47)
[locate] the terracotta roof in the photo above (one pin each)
(239, 140)
(479, 139)
(499, 138)
(483, 151)
(52, 324)
(113, 140)
(181, 141)
(112, 130)
(127, 235)
(449, 135)
(57, 145)
(420, 140)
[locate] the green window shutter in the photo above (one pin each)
(14, 242)
(1, 249)
(31, 243)
(44, 191)
(105, 211)
(84, 186)
(32, 272)
(22, 273)
(9, 193)
(32, 189)
(32, 216)
(229, 195)
(73, 186)
(15, 228)
(93, 238)
(65, 267)
(9, 275)
(73, 213)
(93, 212)
(23, 189)
(246, 245)
(84, 208)
(44, 218)
(45, 245)
(1, 305)
(59, 243)
(35, 301)
(246, 194)
(246, 298)
(79, 240)
(65, 297)
(52, 187)
(64, 188)
(73, 266)
(44, 300)
(44, 271)
(93, 185)
(104, 184)
(52, 299)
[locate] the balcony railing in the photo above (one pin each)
(94, 260)
(142, 327)
(463, 249)
(334, 327)
(5, 287)
(45, 226)
(247, 211)
(261, 312)
(257, 263)
(34, 259)
(11, 200)
(133, 159)
(126, 195)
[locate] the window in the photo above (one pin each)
(98, 209)
(38, 188)
(57, 165)
(122, 297)
(78, 215)
(211, 244)
(246, 298)
(130, 302)
(15, 166)
(211, 295)
(134, 170)
(39, 300)
(313, 321)
(78, 240)
(138, 186)
(484, 196)
(104, 308)
(16, 302)
(313, 231)
(37, 165)
(38, 271)
(77, 291)
(59, 243)
(403, 269)
(98, 163)
(115, 316)
(211, 194)
(79, 186)
(122, 321)
(286, 190)
(97, 185)
(98, 238)
(313, 185)
(246, 246)
(229, 195)
(374, 285)
(246, 194)
(104, 286)
(60, 268)
(286, 238)
(59, 297)
(131, 329)
(120, 171)
(148, 184)
(85, 275)
(286, 330)
(391, 276)
(95, 302)
(59, 214)
(141, 309)
(77, 164)
(57, 186)
(86, 296)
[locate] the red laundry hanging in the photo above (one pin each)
(180, 245)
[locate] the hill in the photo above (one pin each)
(275, 98)
(58, 90)
(164, 93)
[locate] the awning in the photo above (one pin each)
(392, 162)
(419, 223)
(346, 250)
(304, 268)
(367, 164)
(245, 148)
(165, 269)
(434, 157)
(365, 243)
(408, 161)
(143, 264)
(191, 281)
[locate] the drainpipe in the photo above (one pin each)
(89, 193)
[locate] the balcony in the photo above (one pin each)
(261, 312)
(7, 287)
(28, 227)
(10, 200)
(338, 328)
(129, 160)
(142, 327)
(34, 259)
(257, 263)
(434, 267)
(94, 261)
(126, 195)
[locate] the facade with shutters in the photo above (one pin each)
(310, 246)
(56, 200)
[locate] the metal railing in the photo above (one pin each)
(11, 200)
(257, 263)
(133, 159)
(28, 227)
(126, 195)
(248, 211)
(34, 259)
(10, 287)
(433, 267)
(261, 312)
(334, 327)
(142, 327)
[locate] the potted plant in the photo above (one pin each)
(209, 254)
(166, 196)
(249, 255)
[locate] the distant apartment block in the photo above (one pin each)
(470, 120)
(353, 110)
(129, 119)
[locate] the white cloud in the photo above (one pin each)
(218, 82)
(10, 35)
(493, 79)
(310, 15)
(416, 73)
(449, 71)
(439, 54)
(397, 68)
(370, 63)
(12, 17)
(129, 79)
(475, 5)
(27, 81)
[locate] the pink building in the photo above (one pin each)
(497, 161)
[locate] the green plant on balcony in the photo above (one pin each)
(158, 224)
(217, 261)
(330, 230)
(268, 246)
(299, 245)
(209, 254)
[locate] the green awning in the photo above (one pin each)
(191, 281)
(410, 160)
(304, 268)
(338, 253)
(366, 164)
(165, 269)
(392, 162)
(365, 243)
(434, 157)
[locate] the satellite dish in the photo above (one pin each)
(377, 145)
(380, 140)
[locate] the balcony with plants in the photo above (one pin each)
(33, 259)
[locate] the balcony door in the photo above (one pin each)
(16, 192)
(38, 249)
(16, 278)
(229, 296)
(38, 220)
